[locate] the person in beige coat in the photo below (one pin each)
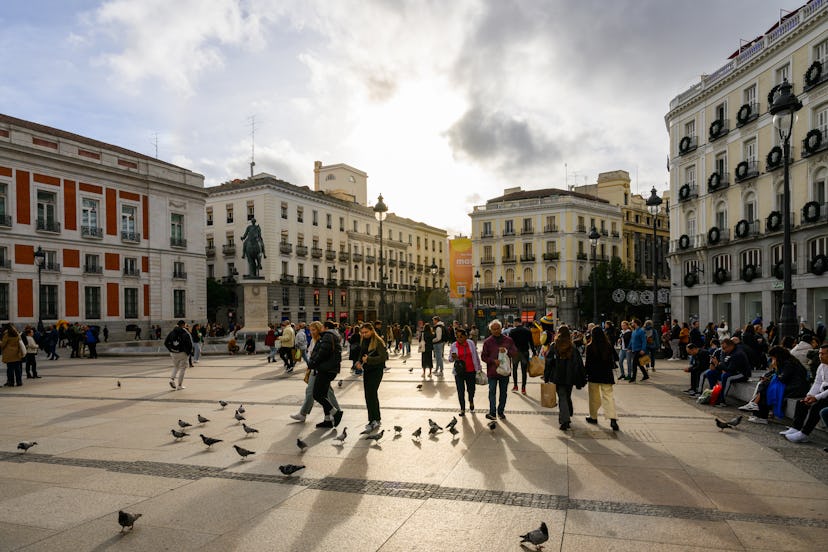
(12, 355)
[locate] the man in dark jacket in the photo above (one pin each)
(325, 361)
(735, 367)
(675, 330)
(700, 365)
(180, 345)
(522, 336)
(696, 336)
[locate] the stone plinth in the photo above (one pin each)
(255, 305)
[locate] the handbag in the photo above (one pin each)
(480, 378)
(536, 366)
(297, 354)
(644, 360)
(549, 395)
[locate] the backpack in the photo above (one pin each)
(444, 335)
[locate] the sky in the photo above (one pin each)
(443, 104)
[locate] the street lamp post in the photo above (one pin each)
(784, 109)
(331, 275)
(380, 212)
(40, 260)
(499, 292)
(594, 236)
(433, 269)
(653, 206)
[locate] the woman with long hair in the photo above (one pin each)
(599, 372)
(372, 363)
(565, 369)
(427, 348)
(316, 328)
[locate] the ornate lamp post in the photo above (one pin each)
(433, 269)
(594, 236)
(476, 288)
(40, 260)
(499, 292)
(653, 206)
(784, 109)
(380, 212)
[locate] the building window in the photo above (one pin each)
(751, 257)
(179, 303)
(92, 302)
(315, 218)
(129, 214)
(330, 177)
(749, 150)
(821, 120)
(723, 262)
(229, 214)
(130, 266)
(89, 217)
(179, 270)
(689, 129)
(3, 199)
(49, 301)
(300, 214)
(46, 210)
(92, 264)
(721, 111)
(211, 272)
(487, 252)
(783, 73)
(356, 226)
(4, 301)
(284, 210)
(749, 207)
(818, 188)
(285, 297)
(551, 246)
(330, 298)
(301, 297)
(209, 216)
(721, 164)
(721, 216)
(776, 253)
(328, 221)
(177, 230)
(691, 224)
(749, 95)
(131, 302)
(251, 210)
(5, 262)
(509, 227)
(341, 224)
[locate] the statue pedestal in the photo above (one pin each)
(256, 312)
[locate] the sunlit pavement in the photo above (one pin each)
(669, 480)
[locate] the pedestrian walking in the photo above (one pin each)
(302, 341)
(498, 351)
(91, 340)
(180, 345)
(439, 340)
(32, 349)
(522, 336)
(565, 369)
(427, 348)
(324, 362)
(286, 343)
(466, 361)
(316, 329)
(372, 363)
(106, 334)
(13, 353)
(599, 372)
(197, 334)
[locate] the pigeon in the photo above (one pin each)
(376, 437)
(420, 387)
(397, 429)
(290, 469)
(182, 424)
(453, 430)
(433, 430)
(249, 430)
(339, 384)
(202, 419)
(119, 384)
(492, 425)
(243, 452)
(432, 423)
(240, 409)
(179, 434)
(452, 423)
(223, 403)
(536, 537)
(301, 444)
(735, 421)
(26, 445)
(127, 520)
(723, 425)
(339, 440)
(239, 417)
(209, 441)
(410, 369)
(417, 433)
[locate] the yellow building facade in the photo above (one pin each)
(726, 175)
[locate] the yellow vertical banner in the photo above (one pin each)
(460, 268)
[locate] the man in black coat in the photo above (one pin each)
(522, 336)
(700, 365)
(735, 367)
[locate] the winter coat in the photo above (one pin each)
(569, 371)
(599, 370)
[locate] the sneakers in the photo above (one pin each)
(172, 384)
(514, 388)
(789, 431)
(502, 416)
(523, 390)
(750, 406)
(471, 406)
(590, 420)
(757, 420)
(298, 417)
(337, 418)
(797, 437)
(371, 426)
(180, 387)
(491, 417)
(614, 425)
(327, 424)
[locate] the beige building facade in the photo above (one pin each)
(323, 247)
(726, 175)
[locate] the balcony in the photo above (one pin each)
(359, 283)
(420, 268)
(358, 257)
(553, 256)
(508, 233)
(301, 250)
(344, 256)
(774, 222)
(92, 269)
(6, 221)
(582, 256)
(303, 280)
(550, 228)
(370, 259)
(688, 191)
(286, 279)
(747, 229)
(228, 249)
(131, 237)
(330, 255)
(527, 258)
(485, 235)
(615, 234)
(582, 228)
(392, 263)
(5, 264)
(527, 231)
(746, 170)
(816, 74)
(285, 248)
(177, 242)
(487, 261)
(132, 272)
(717, 182)
(718, 128)
(316, 252)
(748, 113)
(344, 282)
(50, 267)
(688, 144)
(814, 142)
(510, 259)
(210, 252)
(317, 281)
(718, 236)
(91, 232)
(814, 212)
(179, 275)
(48, 225)
(332, 282)
(775, 159)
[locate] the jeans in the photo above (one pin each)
(321, 388)
(196, 351)
(565, 408)
(496, 382)
(307, 406)
(634, 370)
(806, 416)
(304, 353)
(371, 379)
(406, 348)
(14, 372)
(624, 355)
(824, 415)
(523, 362)
(727, 382)
(271, 355)
(31, 365)
(465, 382)
(438, 357)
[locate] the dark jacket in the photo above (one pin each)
(568, 371)
(178, 341)
(327, 354)
(598, 369)
(795, 378)
(353, 341)
(376, 357)
(522, 337)
(702, 361)
(737, 362)
(696, 337)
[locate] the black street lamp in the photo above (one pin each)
(40, 260)
(433, 269)
(476, 287)
(784, 108)
(499, 292)
(380, 212)
(594, 236)
(653, 206)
